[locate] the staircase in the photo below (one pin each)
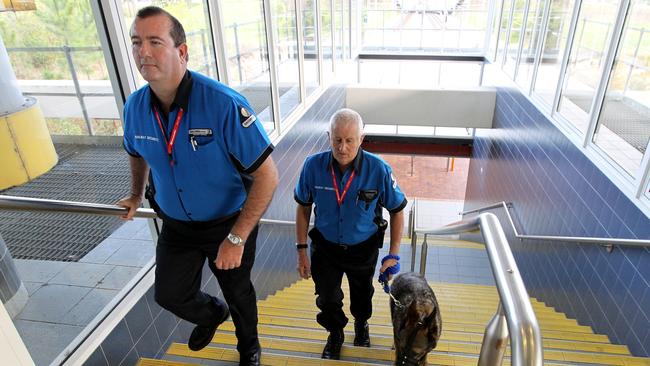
(289, 334)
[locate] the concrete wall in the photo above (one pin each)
(556, 190)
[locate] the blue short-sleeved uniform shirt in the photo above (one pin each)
(218, 143)
(373, 186)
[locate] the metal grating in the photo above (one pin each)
(629, 120)
(97, 174)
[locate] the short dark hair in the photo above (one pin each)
(177, 32)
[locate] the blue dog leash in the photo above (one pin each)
(383, 276)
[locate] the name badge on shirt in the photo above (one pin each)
(200, 132)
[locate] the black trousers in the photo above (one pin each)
(329, 261)
(180, 255)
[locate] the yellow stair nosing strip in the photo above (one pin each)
(387, 354)
(444, 343)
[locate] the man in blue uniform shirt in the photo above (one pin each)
(348, 187)
(210, 180)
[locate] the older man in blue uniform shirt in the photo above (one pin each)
(210, 180)
(348, 187)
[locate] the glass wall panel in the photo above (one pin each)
(339, 15)
(623, 129)
(503, 30)
(494, 36)
(73, 265)
(57, 58)
(432, 26)
(531, 39)
(286, 55)
(515, 36)
(427, 74)
(247, 59)
(555, 41)
(326, 37)
(194, 17)
(590, 42)
(472, 24)
(310, 44)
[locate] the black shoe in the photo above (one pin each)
(202, 335)
(361, 334)
(332, 350)
(251, 360)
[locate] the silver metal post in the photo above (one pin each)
(77, 89)
(238, 55)
(495, 340)
(423, 256)
(633, 64)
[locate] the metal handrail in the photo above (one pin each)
(572, 239)
(515, 317)
(41, 204)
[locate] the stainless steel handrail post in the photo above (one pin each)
(525, 335)
(495, 340)
(414, 234)
(423, 256)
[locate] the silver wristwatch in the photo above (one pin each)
(236, 240)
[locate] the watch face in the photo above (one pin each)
(235, 239)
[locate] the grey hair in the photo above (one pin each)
(346, 115)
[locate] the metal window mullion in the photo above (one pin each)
(270, 41)
(644, 176)
(540, 45)
(333, 33)
(319, 44)
(119, 61)
(301, 51)
(488, 31)
(567, 54)
(507, 40)
(218, 37)
(608, 64)
(522, 36)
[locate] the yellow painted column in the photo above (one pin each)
(26, 149)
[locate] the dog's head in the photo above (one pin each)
(416, 319)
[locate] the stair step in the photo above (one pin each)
(375, 353)
(448, 342)
(565, 324)
(382, 308)
(387, 329)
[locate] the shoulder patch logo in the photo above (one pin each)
(245, 117)
(392, 177)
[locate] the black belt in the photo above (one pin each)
(319, 240)
(198, 225)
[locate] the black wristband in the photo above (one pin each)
(301, 246)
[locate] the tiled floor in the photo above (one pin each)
(64, 297)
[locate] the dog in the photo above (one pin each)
(416, 319)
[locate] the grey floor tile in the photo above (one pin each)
(118, 277)
(38, 270)
(82, 274)
(50, 303)
(45, 340)
(103, 251)
(32, 286)
(129, 229)
(135, 256)
(86, 309)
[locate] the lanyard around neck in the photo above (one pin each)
(169, 143)
(341, 196)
